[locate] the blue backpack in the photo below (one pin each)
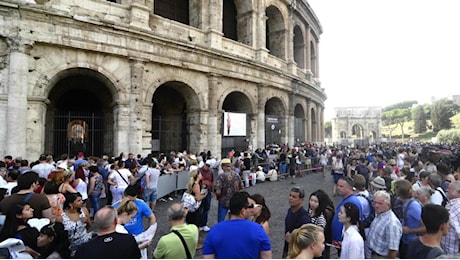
(368, 219)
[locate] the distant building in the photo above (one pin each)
(356, 125)
(456, 99)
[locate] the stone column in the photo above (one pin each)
(292, 65)
(308, 121)
(247, 36)
(147, 128)
(260, 32)
(261, 115)
(291, 121)
(136, 107)
(214, 138)
(139, 14)
(317, 61)
(214, 29)
(122, 127)
(16, 115)
(308, 52)
(197, 123)
(35, 128)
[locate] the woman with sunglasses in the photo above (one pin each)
(261, 213)
(353, 233)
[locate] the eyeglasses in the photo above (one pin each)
(254, 206)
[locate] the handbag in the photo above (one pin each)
(189, 201)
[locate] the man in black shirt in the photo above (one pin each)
(108, 243)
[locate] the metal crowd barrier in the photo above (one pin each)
(172, 183)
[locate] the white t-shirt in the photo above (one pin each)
(153, 174)
(121, 182)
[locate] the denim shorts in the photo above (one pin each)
(150, 195)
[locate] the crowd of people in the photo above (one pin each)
(396, 201)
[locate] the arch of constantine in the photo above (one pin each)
(356, 125)
(157, 75)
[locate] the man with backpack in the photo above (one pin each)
(411, 216)
(363, 169)
(365, 197)
(439, 197)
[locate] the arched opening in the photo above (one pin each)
(343, 135)
(275, 33)
(299, 124)
(357, 131)
(240, 105)
(173, 117)
(274, 121)
(177, 10)
(229, 23)
(79, 116)
(299, 47)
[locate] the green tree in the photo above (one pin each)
(441, 112)
(419, 117)
(397, 115)
(401, 105)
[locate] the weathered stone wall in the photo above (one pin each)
(133, 51)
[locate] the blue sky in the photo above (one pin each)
(377, 53)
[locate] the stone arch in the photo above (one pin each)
(79, 94)
(229, 21)
(299, 123)
(314, 55)
(343, 134)
(275, 32)
(314, 125)
(236, 102)
(361, 123)
(357, 131)
(275, 121)
(175, 116)
(299, 47)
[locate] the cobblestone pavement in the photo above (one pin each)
(276, 197)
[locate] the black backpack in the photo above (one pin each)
(444, 197)
(368, 220)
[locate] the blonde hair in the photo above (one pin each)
(193, 177)
(302, 238)
(126, 205)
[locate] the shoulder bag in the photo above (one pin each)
(189, 256)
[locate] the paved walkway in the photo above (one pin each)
(276, 197)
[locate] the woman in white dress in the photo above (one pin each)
(353, 234)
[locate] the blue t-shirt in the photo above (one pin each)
(135, 226)
(337, 227)
(236, 239)
(414, 218)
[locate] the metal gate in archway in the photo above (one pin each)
(76, 131)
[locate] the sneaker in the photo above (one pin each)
(205, 228)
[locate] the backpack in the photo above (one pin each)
(368, 220)
(444, 197)
(397, 207)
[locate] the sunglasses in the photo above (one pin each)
(254, 206)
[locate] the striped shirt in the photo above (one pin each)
(318, 220)
(451, 242)
(385, 233)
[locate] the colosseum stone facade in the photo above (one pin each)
(157, 75)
